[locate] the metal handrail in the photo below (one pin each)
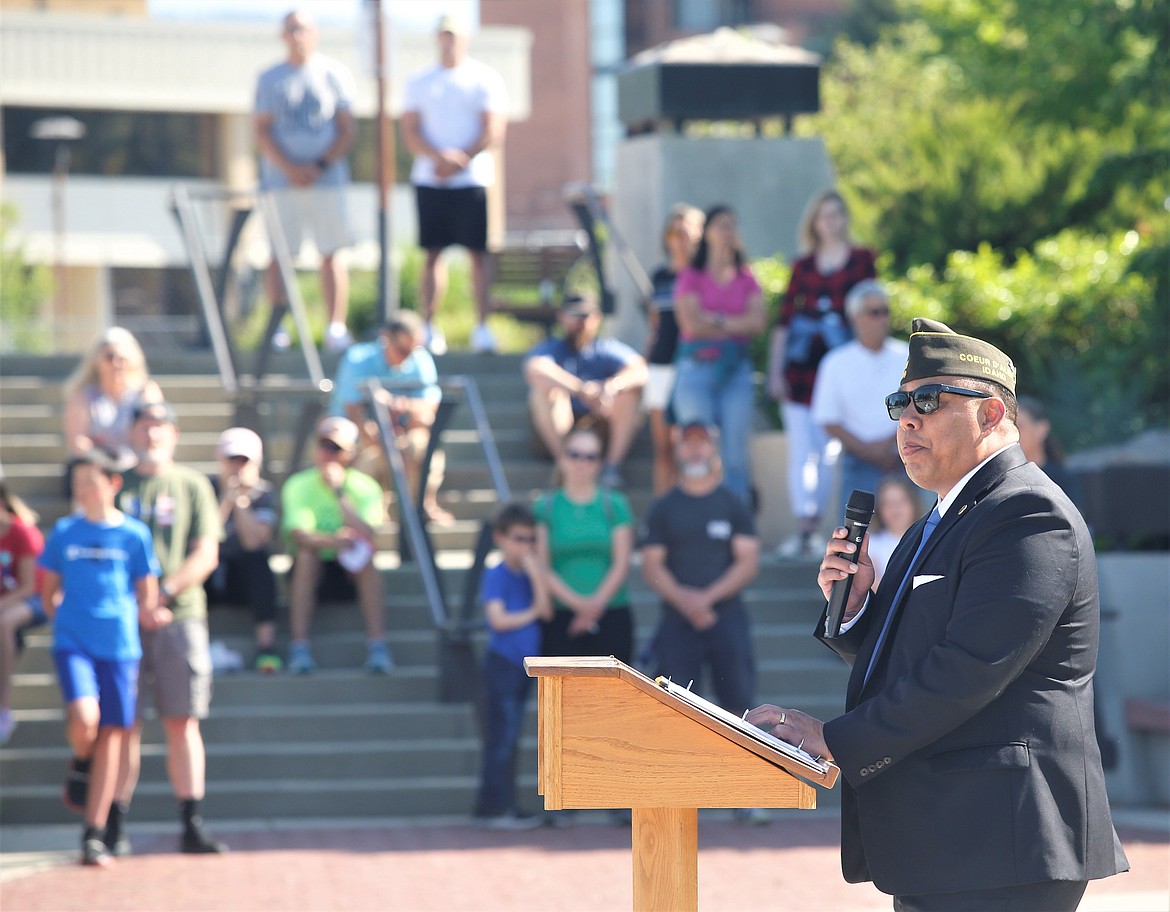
(582, 198)
(408, 514)
(209, 300)
(458, 678)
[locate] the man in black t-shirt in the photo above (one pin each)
(699, 552)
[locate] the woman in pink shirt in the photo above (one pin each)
(719, 309)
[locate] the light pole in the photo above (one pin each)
(384, 137)
(62, 131)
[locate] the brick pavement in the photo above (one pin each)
(790, 865)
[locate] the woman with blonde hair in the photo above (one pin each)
(812, 321)
(101, 395)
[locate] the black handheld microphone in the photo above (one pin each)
(858, 513)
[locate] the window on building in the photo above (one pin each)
(116, 143)
(705, 15)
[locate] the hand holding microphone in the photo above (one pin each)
(858, 514)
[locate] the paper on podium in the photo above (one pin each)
(794, 753)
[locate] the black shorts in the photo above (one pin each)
(449, 216)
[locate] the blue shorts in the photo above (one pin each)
(113, 682)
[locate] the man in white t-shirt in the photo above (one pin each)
(454, 115)
(305, 130)
(852, 383)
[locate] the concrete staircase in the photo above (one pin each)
(341, 743)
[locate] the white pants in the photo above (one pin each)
(809, 471)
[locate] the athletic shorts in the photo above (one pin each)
(659, 386)
(112, 682)
(176, 670)
(318, 211)
(452, 216)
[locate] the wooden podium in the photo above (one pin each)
(612, 738)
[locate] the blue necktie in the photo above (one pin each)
(927, 531)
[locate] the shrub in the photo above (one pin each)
(1087, 329)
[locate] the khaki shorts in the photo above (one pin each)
(659, 387)
(320, 210)
(413, 446)
(176, 670)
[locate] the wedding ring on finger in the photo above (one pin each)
(783, 718)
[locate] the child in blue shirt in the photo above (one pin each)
(102, 562)
(515, 600)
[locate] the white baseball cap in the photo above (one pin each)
(240, 441)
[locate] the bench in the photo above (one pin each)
(528, 282)
(1148, 721)
(1147, 716)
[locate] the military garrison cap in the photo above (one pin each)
(937, 350)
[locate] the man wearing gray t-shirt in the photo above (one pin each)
(305, 129)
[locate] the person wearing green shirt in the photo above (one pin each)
(585, 536)
(178, 505)
(331, 514)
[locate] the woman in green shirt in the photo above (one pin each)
(585, 536)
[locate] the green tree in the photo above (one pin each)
(981, 121)
(1086, 327)
(24, 289)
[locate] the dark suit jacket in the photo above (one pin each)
(969, 758)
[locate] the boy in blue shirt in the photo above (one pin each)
(515, 600)
(103, 564)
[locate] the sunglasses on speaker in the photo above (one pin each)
(926, 398)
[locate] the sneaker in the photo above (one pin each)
(7, 725)
(95, 853)
(796, 546)
(611, 477)
(224, 659)
(436, 342)
(337, 338)
(118, 846)
(752, 816)
(76, 789)
(197, 842)
(268, 662)
(300, 660)
(510, 821)
(482, 340)
(378, 659)
(281, 340)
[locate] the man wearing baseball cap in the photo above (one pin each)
(331, 516)
(583, 379)
(699, 552)
(247, 508)
(178, 505)
(971, 773)
(454, 116)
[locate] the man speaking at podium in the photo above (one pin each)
(972, 778)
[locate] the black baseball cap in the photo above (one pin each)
(155, 411)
